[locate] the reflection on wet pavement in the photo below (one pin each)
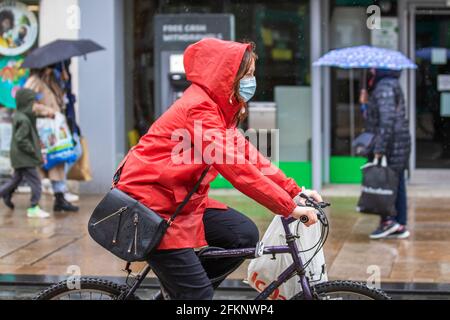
(50, 247)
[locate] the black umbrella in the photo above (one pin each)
(58, 51)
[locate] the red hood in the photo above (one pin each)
(213, 65)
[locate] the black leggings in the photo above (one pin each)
(181, 272)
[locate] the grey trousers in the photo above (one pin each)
(33, 179)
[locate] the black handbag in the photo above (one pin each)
(379, 190)
(127, 228)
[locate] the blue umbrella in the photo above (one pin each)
(365, 57)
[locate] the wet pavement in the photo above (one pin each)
(60, 245)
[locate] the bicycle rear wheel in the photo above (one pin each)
(345, 290)
(89, 289)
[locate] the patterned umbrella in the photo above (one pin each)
(365, 57)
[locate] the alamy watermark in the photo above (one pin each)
(374, 280)
(73, 21)
(73, 282)
(374, 20)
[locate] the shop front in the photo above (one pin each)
(18, 35)
(130, 84)
(349, 25)
(427, 26)
(419, 29)
(310, 107)
(316, 111)
(281, 32)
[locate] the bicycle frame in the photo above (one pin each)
(250, 253)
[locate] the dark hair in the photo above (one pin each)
(6, 15)
(249, 57)
(381, 74)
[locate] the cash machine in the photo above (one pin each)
(173, 34)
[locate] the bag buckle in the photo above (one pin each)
(170, 222)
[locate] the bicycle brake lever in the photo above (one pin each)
(324, 205)
(323, 219)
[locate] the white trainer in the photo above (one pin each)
(71, 197)
(37, 212)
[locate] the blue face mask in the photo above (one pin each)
(247, 88)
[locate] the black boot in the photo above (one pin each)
(61, 204)
(8, 202)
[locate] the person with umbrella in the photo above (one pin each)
(384, 112)
(386, 119)
(45, 82)
(47, 79)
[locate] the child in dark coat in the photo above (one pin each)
(25, 153)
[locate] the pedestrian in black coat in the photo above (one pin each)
(386, 119)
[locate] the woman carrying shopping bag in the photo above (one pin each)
(44, 82)
(80, 169)
(386, 120)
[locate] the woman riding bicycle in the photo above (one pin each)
(206, 119)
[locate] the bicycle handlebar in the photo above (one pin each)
(310, 202)
(319, 206)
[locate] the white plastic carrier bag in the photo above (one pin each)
(264, 270)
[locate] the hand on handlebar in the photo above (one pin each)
(306, 215)
(300, 201)
(312, 199)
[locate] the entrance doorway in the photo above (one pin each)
(429, 44)
(433, 90)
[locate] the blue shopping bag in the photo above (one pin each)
(56, 141)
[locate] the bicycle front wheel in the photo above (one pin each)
(345, 290)
(88, 289)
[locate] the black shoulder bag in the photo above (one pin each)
(127, 228)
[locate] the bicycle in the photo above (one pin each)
(332, 290)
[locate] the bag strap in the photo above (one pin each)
(379, 162)
(118, 173)
(188, 197)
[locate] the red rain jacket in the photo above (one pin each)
(152, 176)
